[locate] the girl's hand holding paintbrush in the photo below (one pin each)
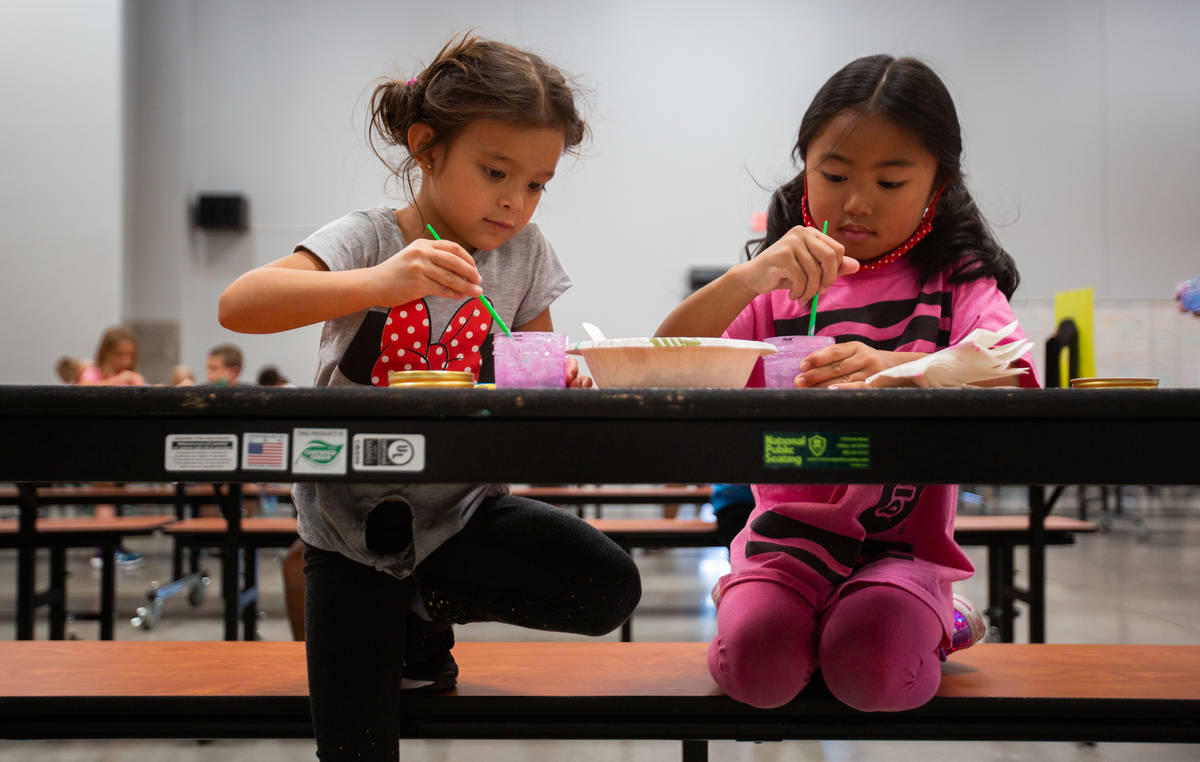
(805, 261)
(427, 267)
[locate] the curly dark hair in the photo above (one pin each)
(471, 79)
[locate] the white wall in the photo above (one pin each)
(158, 156)
(1079, 122)
(61, 201)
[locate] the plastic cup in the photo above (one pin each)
(530, 360)
(780, 369)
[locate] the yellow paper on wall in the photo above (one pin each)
(1077, 305)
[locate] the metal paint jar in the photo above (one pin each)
(431, 379)
(1114, 383)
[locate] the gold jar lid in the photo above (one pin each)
(1114, 383)
(434, 379)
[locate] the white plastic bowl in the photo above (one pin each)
(671, 362)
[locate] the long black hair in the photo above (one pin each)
(910, 94)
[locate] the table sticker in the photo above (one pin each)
(389, 452)
(201, 452)
(319, 451)
(264, 452)
(785, 449)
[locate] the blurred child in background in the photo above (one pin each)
(223, 364)
(116, 361)
(69, 369)
(182, 375)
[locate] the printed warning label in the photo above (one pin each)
(201, 452)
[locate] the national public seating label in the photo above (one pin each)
(201, 452)
(787, 449)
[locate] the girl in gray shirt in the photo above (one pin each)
(483, 127)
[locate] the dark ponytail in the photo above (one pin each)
(910, 94)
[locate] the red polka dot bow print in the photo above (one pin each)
(406, 341)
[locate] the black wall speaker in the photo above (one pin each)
(222, 211)
(699, 277)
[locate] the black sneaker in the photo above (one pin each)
(428, 663)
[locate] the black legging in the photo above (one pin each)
(516, 561)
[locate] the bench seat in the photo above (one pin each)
(593, 690)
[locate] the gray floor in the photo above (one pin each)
(1134, 583)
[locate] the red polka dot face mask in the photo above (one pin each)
(923, 229)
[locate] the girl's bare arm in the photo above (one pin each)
(299, 289)
(294, 291)
(709, 311)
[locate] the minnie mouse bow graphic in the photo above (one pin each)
(401, 337)
(406, 342)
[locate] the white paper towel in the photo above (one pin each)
(975, 358)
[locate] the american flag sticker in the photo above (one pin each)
(265, 452)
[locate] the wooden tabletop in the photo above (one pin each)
(1019, 523)
(576, 494)
(84, 494)
(217, 525)
(118, 525)
(634, 528)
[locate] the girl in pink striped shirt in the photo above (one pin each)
(855, 580)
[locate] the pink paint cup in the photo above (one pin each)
(530, 360)
(780, 369)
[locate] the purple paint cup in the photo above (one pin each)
(780, 369)
(530, 360)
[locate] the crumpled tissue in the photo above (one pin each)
(975, 358)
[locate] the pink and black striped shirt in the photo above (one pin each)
(816, 538)
(885, 309)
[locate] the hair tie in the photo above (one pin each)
(412, 81)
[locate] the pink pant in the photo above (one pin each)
(876, 646)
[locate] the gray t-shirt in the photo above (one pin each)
(521, 279)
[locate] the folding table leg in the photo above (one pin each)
(627, 625)
(58, 592)
(1000, 582)
(1008, 595)
(231, 506)
(249, 597)
(1039, 507)
(26, 560)
(108, 592)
